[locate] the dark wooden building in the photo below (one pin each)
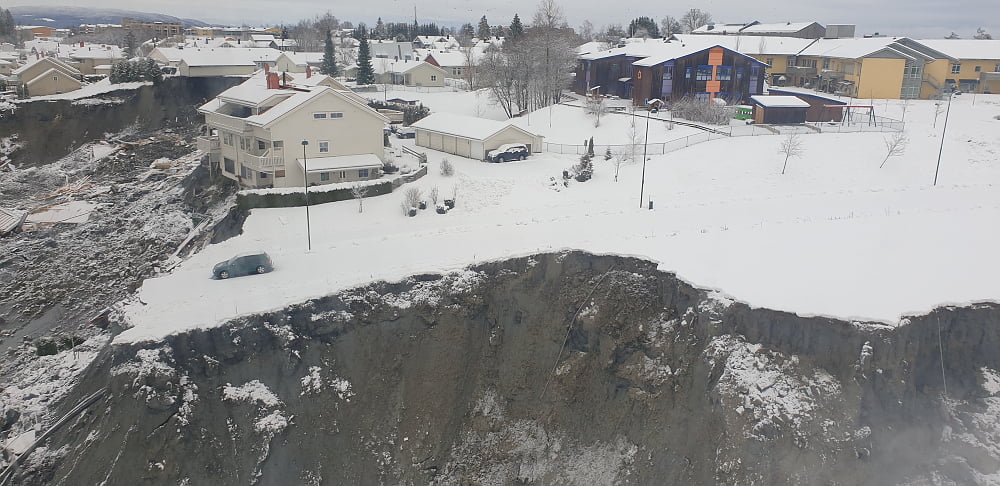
(670, 71)
(779, 110)
(821, 108)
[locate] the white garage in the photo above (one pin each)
(471, 137)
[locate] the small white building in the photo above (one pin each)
(471, 137)
(408, 73)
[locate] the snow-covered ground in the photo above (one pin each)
(835, 235)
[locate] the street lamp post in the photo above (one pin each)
(944, 130)
(652, 104)
(305, 183)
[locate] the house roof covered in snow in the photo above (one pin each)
(383, 65)
(965, 48)
(780, 27)
(235, 56)
(675, 50)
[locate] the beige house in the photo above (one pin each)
(257, 130)
(297, 62)
(48, 75)
(973, 67)
(86, 59)
(225, 61)
(408, 73)
(471, 137)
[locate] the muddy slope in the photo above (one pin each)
(555, 369)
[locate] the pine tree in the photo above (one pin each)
(483, 31)
(516, 29)
(129, 42)
(379, 32)
(590, 147)
(607, 154)
(366, 74)
(329, 66)
(585, 169)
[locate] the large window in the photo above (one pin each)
(324, 147)
(363, 173)
(912, 70)
(979, 68)
(324, 176)
(261, 145)
(910, 92)
(724, 73)
(229, 165)
(319, 116)
(826, 63)
(336, 114)
(704, 73)
(956, 68)
(227, 138)
(687, 72)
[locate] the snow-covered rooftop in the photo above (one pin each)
(985, 49)
(342, 162)
(779, 101)
(461, 125)
(384, 65)
(229, 56)
(781, 27)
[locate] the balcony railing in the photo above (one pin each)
(263, 163)
(801, 70)
(230, 123)
(208, 144)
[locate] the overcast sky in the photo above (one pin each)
(914, 18)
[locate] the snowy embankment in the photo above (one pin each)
(835, 235)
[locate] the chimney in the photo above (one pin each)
(309, 72)
(81, 43)
(272, 80)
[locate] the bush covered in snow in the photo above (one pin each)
(139, 69)
(689, 108)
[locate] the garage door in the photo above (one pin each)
(436, 141)
(464, 148)
(450, 144)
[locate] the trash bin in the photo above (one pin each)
(651, 204)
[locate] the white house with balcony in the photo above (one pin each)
(256, 130)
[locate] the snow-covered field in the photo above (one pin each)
(835, 235)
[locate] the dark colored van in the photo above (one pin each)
(243, 264)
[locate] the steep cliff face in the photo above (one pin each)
(562, 368)
(48, 130)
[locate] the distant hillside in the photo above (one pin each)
(64, 17)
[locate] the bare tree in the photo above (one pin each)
(434, 195)
(359, 192)
(670, 26)
(595, 108)
(618, 160)
(791, 146)
(635, 136)
(895, 146)
(411, 197)
(586, 31)
(447, 169)
(695, 18)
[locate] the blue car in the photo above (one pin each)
(243, 264)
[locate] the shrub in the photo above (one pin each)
(701, 111)
(411, 197)
(447, 169)
(585, 169)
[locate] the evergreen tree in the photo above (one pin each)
(516, 29)
(329, 66)
(483, 31)
(590, 147)
(129, 42)
(607, 154)
(379, 32)
(366, 74)
(643, 27)
(585, 169)
(8, 29)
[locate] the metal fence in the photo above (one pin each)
(861, 124)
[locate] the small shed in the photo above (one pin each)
(471, 137)
(821, 108)
(778, 110)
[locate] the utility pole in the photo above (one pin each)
(651, 105)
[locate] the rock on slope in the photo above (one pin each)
(562, 368)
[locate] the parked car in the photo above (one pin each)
(405, 132)
(243, 264)
(508, 152)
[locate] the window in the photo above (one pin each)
(910, 92)
(229, 165)
(739, 74)
(324, 147)
(687, 72)
(979, 68)
(243, 143)
(55, 78)
(434, 77)
(261, 145)
(770, 61)
(363, 173)
(278, 144)
(956, 68)
(996, 68)
(826, 63)
(227, 138)
(336, 114)
(324, 176)
(263, 175)
(724, 73)
(245, 173)
(849, 68)
(704, 73)
(319, 116)
(912, 70)
(279, 173)
(668, 72)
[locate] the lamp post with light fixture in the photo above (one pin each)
(305, 183)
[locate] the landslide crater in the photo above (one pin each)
(564, 368)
